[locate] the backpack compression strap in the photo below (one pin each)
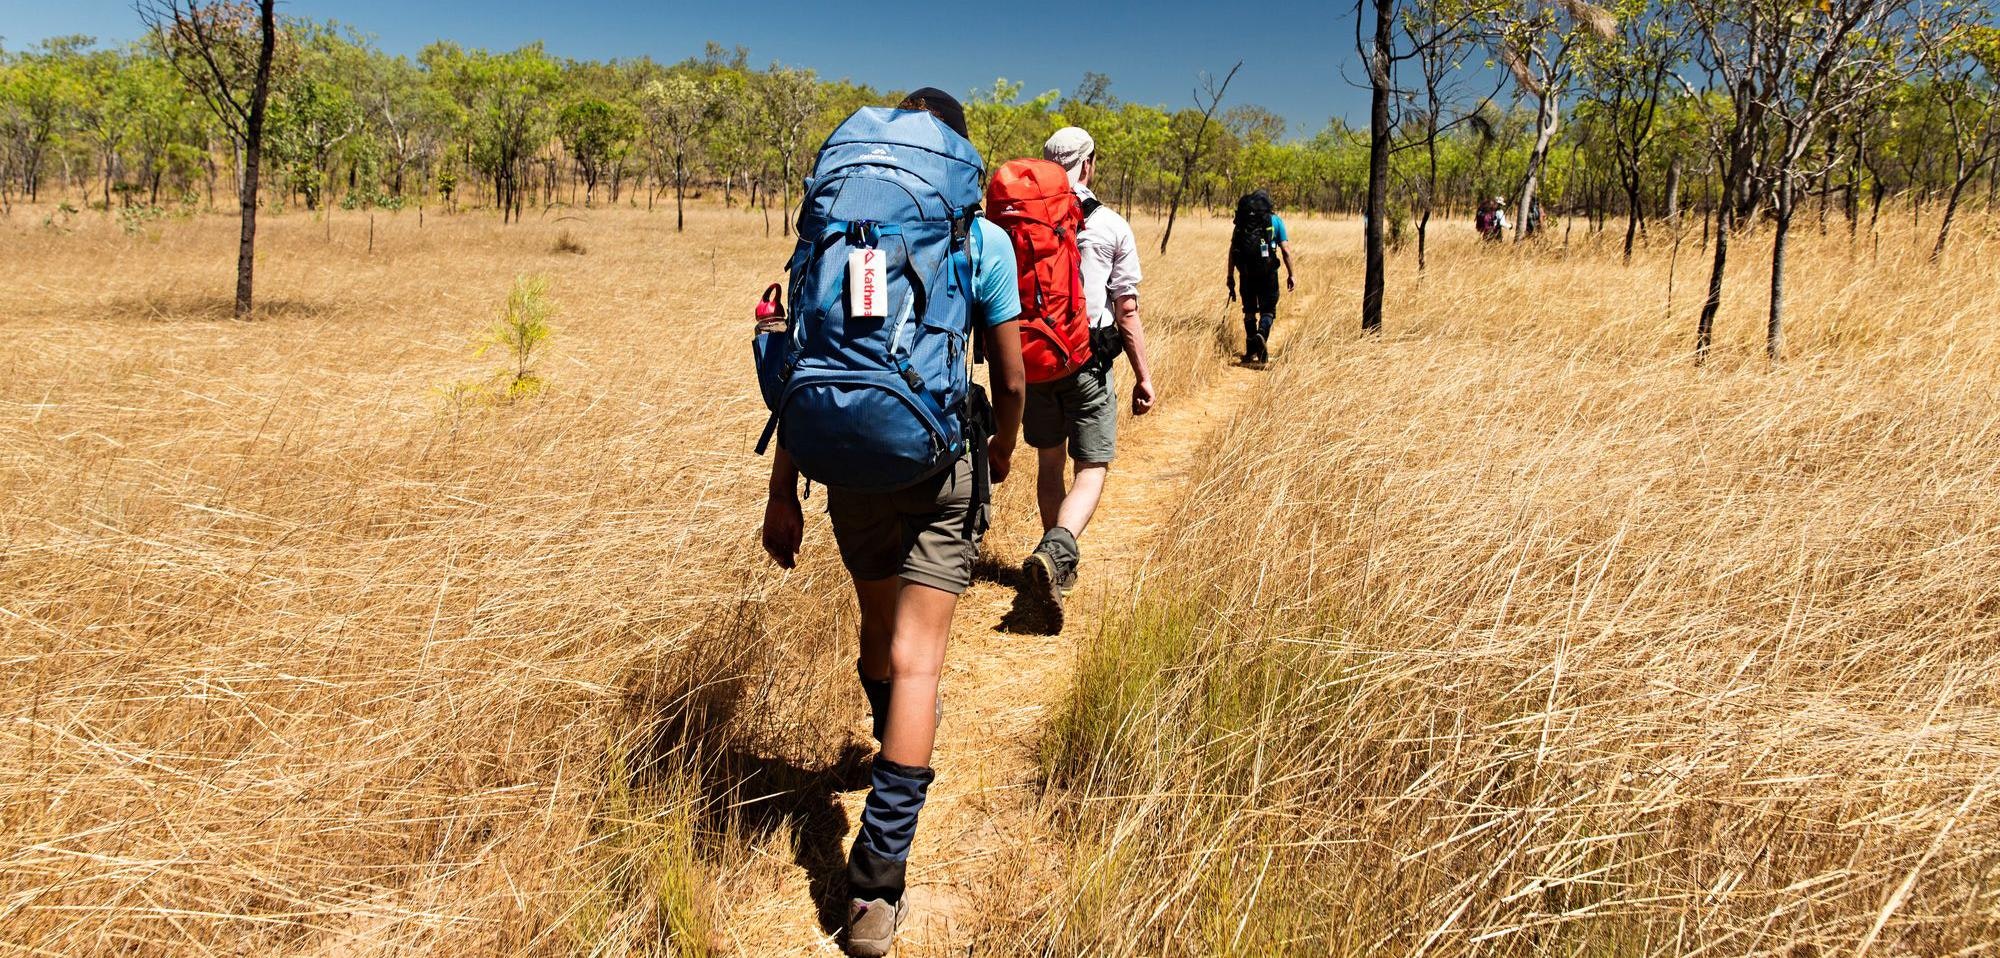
(977, 422)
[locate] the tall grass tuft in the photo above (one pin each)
(1512, 634)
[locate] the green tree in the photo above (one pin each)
(1004, 126)
(597, 134)
(165, 127)
(228, 52)
(788, 99)
(314, 113)
(45, 88)
(1962, 65)
(680, 111)
(510, 117)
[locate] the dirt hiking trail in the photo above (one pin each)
(983, 849)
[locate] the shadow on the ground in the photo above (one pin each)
(754, 795)
(1028, 617)
(210, 308)
(768, 795)
(988, 568)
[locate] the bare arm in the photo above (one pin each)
(1010, 395)
(1134, 334)
(784, 521)
(1285, 253)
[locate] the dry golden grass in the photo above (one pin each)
(301, 650)
(1511, 633)
(309, 653)
(1507, 625)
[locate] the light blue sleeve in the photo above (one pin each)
(1278, 227)
(996, 289)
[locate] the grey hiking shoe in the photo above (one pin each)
(1049, 573)
(871, 925)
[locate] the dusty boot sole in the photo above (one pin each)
(1038, 578)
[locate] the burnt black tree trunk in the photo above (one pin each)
(1379, 131)
(253, 157)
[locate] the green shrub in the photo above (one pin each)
(522, 333)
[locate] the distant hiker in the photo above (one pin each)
(893, 277)
(1255, 247)
(1072, 410)
(1491, 220)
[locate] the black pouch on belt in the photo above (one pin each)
(1107, 343)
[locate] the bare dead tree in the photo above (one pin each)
(223, 49)
(1192, 148)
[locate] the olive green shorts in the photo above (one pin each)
(1080, 409)
(919, 533)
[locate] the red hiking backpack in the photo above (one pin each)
(1032, 201)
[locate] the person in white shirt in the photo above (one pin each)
(1076, 418)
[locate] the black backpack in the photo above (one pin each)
(1252, 242)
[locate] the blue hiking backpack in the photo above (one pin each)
(876, 405)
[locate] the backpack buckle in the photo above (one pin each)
(863, 233)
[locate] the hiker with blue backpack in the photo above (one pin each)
(898, 286)
(1256, 243)
(1079, 264)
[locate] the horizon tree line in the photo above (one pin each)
(1743, 113)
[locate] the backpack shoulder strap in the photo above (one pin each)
(1091, 205)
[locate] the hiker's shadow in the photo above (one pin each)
(772, 796)
(1024, 616)
(757, 796)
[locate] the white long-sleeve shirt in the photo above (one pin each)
(1110, 261)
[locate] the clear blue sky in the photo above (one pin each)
(1298, 56)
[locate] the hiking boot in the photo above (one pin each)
(871, 925)
(1049, 573)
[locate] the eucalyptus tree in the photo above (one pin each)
(1787, 70)
(680, 111)
(1438, 35)
(226, 51)
(1962, 67)
(1540, 42)
(1625, 78)
(788, 100)
(44, 88)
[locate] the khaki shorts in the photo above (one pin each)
(919, 533)
(1081, 408)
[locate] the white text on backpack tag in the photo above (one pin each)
(867, 284)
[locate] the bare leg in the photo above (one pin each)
(878, 624)
(916, 658)
(1081, 503)
(1049, 466)
(920, 618)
